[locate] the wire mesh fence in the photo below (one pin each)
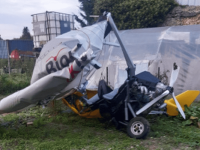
(15, 74)
(17, 61)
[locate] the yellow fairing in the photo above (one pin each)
(79, 106)
(185, 98)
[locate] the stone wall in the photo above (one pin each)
(183, 15)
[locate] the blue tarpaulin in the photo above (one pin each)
(22, 45)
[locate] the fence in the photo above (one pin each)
(189, 2)
(16, 75)
(15, 68)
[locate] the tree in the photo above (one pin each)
(0, 38)
(129, 14)
(26, 34)
(87, 10)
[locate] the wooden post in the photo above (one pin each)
(8, 56)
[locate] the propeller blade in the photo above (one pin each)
(174, 75)
(178, 106)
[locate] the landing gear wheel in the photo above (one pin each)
(138, 128)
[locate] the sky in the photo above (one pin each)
(16, 14)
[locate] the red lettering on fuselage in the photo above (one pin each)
(72, 73)
(55, 57)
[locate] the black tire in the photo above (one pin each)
(138, 128)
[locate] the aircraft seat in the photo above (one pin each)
(111, 95)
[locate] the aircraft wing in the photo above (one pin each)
(60, 67)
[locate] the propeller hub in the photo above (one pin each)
(170, 89)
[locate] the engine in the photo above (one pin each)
(144, 94)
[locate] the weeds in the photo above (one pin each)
(192, 115)
(177, 130)
(59, 129)
(21, 71)
(13, 83)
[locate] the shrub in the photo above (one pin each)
(13, 83)
(129, 14)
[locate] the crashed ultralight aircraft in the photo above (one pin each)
(64, 69)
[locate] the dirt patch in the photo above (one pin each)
(163, 143)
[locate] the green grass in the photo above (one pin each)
(63, 131)
(15, 81)
(12, 83)
(54, 130)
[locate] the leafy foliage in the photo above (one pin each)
(82, 23)
(13, 83)
(129, 14)
(193, 111)
(175, 131)
(26, 64)
(26, 34)
(192, 116)
(21, 72)
(87, 10)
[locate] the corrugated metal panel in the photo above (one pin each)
(23, 45)
(189, 2)
(3, 49)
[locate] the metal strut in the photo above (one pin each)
(131, 66)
